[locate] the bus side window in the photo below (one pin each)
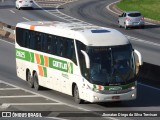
(26, 39)
(49, 44)
(43, 42)
(32, 38)
(64, 47)
(37, 41)
(61, 53)
(54, 43)
(19, 36)
(81, 46)
(58, 47)
(71, 51)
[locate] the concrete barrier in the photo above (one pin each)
(7, 31)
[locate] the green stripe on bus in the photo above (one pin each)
(42, 60)
(106, 87)
(45, 71)
(94, 86)
(71, 68)
(22, 54)
(53, 63)
(31, 57)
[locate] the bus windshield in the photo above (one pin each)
(111, 65)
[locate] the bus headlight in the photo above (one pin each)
(133, 87)
(96, 98)
(133, 95)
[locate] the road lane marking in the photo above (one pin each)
(149, 86)
(6, 105)
(20, 96)
(40, 95)
(11, 11)
(9, 89)
(57, 12)
(143, 41)
(26, 18)
(108, 7)
(24, 104)
(6, 42)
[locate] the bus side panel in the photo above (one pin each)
(21, 69)
(53, 81)
(21, 63)
(42, 81)
(70, 78)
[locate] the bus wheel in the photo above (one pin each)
(76, 95)
(29, 79)
(35, 81)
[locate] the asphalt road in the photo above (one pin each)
(148, 97)
(12, 16)
(147, 40)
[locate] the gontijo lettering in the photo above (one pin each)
(60, 65)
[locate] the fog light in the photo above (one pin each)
(96, 98)
(133, 95)
(133, 87)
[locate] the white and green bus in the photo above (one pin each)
(90, 63)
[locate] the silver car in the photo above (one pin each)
(131, 19)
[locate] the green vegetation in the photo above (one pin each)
(149, 8)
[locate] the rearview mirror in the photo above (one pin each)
(140, 61)
(87, 60)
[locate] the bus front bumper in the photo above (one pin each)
(98, 97)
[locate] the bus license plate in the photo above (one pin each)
(115, 97)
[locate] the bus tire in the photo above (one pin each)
(35, 82)
(29, 79)
(76, 95)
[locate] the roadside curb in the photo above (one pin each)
(114, 9)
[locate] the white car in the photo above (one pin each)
(24, 4)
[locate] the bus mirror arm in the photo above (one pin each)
(87, 60)
(139, 57)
